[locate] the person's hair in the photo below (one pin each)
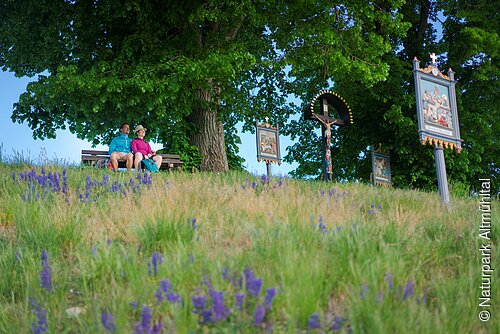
(121, 126)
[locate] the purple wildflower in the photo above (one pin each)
(258, 315)
(388, 279)
(41, 325)
(364, 291)
(144, 326)
(322, 226)
(264, 179)
(226, 274)
(239, 297)
(314, 321)
(154, 262)
(107, 321)
(206, 316)
(205, 280)
(268, 300)
(199, 303)
(254, 286)
(165, 291)
(46, 273)
(337, 323)
(194, 225)
(220, 311)
(408, 290)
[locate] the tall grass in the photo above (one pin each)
(226, 253)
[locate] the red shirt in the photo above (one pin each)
(139, 145)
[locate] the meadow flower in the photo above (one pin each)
(268, 299)
(165, 292)
(206, 316)
(46, 273)
(314, 321)
(408, 290)
(388, 279)
(144, 326)
(41, 325)
(219, 310)
(364, 291)
(322, 226)
(107, 321)
(264, 179)
(65, 188)
(154, 262)
(199, 303)
(226, 274)
(258, 315)
(194, 225)
(239, 297)
(337, 323)
(206, 280)
(254, 286)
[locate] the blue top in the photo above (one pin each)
(120, 144)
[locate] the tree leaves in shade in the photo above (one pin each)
(188, 71)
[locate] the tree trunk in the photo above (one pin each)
(209, 136)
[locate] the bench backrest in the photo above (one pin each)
(92, 156)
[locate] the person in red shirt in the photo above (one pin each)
(142, 150)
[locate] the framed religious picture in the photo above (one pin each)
(436, 107)
(381, 169)
(268, 143)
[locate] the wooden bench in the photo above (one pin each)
(99, 159)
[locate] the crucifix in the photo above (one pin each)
(328, 100)
(433, 57)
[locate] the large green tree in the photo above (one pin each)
(465, 35)
(187, 70)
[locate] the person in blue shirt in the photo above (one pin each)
(119, 149)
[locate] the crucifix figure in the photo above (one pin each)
(327, 100)
(433, 57)
(327, 123)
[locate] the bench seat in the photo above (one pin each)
(97, 158)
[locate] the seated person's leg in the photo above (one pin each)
(158, 159)
(129, 158)
(113, 158)
(137, 161)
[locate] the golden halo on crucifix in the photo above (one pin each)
(329, 101)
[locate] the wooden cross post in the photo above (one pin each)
(326, 122)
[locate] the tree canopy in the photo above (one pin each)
(190, 71)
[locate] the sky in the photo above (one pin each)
(17, 139)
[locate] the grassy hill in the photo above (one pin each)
(87, 251)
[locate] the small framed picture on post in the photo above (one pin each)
(381, 169)
(268, 143)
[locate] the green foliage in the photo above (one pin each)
(384, 110)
